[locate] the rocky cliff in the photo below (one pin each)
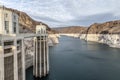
(29, 51)
(53, 39)
(107, 33)
(113, 40)
(111, 27)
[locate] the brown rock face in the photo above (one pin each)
(112, 27)
(71, 29)
(26, 22)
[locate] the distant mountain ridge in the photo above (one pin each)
(111, 27)
(71, 29)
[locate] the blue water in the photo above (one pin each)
(75, 59)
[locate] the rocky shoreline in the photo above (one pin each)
(113, 40)
(53, 39)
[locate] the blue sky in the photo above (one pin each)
(60, 13)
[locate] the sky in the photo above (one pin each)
(61, 13)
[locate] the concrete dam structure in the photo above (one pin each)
(12, 48)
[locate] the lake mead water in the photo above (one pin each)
(75, 59)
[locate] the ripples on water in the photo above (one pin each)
(75, 59)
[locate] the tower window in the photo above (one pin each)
(38, 32)
(6, 15)
(7, 26)
(14, 17)
(14, 27)
(42, 31)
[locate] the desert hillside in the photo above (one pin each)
(105, 28)
(111, 27)
(71, 29)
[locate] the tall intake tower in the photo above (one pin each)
(41, 59)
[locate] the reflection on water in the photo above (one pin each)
(75, 59)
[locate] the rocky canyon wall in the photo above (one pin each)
(107, 33)
(113, 40)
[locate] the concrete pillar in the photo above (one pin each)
(47, 55)
(40, 58)
(34, 55)
(1, 62)
(44, 53)
(23, 60)
(3, 30)
(36, 59)
(14, 48)
(10, 23)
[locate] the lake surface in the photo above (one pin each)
(75, 59)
